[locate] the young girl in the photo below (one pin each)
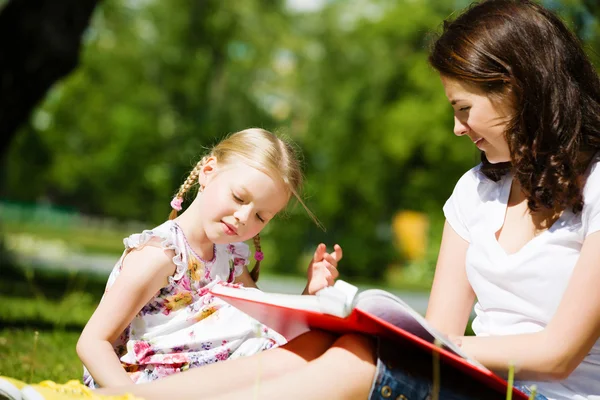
(156, 317)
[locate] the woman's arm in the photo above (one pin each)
(452, 297)
(144, 272)
(557, 350)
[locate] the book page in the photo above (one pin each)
(394, 310)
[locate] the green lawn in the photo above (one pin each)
(53, 357)
(53, 305)
(80, 238)
(39, 336)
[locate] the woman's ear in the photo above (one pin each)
(207, 171)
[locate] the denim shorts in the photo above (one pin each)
(406, 374)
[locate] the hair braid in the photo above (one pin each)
(258, 256)
(187, 185)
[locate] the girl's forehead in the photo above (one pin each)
(240, 171)
(250, 177)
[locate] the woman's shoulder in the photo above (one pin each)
(591, 197)
(471, 178)
(592, 180)
(475, 185)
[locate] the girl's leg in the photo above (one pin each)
(345, 371)
(351, 369)
(214, 379)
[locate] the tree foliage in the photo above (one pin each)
(160, 82)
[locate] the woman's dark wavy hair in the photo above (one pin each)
(519, 52)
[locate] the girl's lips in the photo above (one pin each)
(228, 229)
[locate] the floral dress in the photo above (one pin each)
(184, 326)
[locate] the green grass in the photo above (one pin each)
(69, 313)
(58, 323)
(55, 305)
(54, 357)
(80, 238)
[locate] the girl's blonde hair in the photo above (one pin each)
(259, 149)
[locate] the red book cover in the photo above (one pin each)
(372, 312)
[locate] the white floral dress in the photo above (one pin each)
(184, 326)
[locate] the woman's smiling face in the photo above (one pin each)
(477, 117)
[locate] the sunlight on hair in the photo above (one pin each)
(259, 149)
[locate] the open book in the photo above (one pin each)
(342, 309)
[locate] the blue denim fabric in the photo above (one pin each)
(405, 374)
(527, 391)
(395, 383)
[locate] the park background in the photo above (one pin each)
(158, 83)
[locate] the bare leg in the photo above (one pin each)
(213, 379)
(345, 371)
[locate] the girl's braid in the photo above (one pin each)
(185, 187)
(258, 256)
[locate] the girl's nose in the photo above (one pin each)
(242, 214)
(460, 128)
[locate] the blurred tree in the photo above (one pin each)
(159, 83)
(377, 126)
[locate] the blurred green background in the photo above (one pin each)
(159, 83)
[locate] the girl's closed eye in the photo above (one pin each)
(237, 198)
(463, 109)
(260, 218)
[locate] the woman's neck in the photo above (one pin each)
(540, 219)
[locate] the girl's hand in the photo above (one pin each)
(322, 270)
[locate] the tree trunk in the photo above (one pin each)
(39, 44)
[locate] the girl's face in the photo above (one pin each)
(478, 118)
(238, 201)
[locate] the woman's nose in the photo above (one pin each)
(460, 128)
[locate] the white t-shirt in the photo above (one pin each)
(520, 292)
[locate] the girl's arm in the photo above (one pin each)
(452, 297)
(322, 270)
(144, 272)
(245, 279)
(557, 350)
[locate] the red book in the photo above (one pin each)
(341, 309)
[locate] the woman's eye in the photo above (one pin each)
(464, 109)
(236, 198)
(259, 218)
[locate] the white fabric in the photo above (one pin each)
(520, 292)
